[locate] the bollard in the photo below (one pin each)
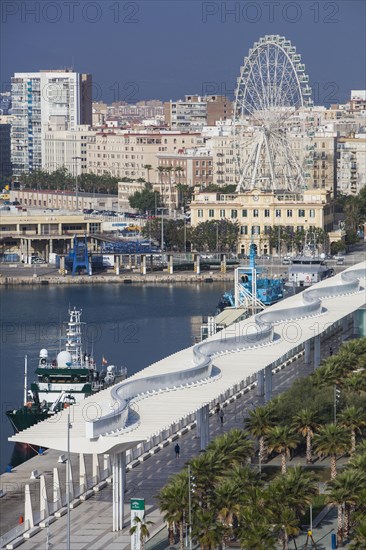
(41, 451)
(8, 469)
(334, 541)
(21, 520)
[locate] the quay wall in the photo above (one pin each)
(185, 278)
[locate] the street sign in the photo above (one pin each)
(137, 507)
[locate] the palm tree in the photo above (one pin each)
(178, 170)
(161, 170)
(359, 535)
(168, 170)
(286, 523)
(331, 440)
(234, 447)
(345, 491)
(255, 530)
(297, 488)
(305, 423)
(282, 439)
(258, 424)
(206, 530)
(353, 419)
(173, 502)
(142, 526)
(148, 167)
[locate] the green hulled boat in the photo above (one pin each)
(66, 379)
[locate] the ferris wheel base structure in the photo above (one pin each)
(272, 90)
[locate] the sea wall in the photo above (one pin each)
(121, 279)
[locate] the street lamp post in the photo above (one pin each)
(76, 182)
(68, 479)
(190, 507)
(162, 229)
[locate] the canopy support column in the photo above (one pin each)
(268, 386)
(260, 383)
(203, 428)
(119, 482)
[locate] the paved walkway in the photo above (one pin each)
(91, 522)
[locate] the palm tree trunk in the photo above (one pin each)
(171, 534)
(333, 467)
(309, 458)
(284, 539)
(262, 450)
(353, 441)
(340, 525)
(181, 535)
(346, 520)
(283, 463)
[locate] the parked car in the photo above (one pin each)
(37, 260)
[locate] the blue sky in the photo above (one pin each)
(144, 49)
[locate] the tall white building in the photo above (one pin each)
(351, 164)
(59, 99)
(67, 149)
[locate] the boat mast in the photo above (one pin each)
(73, 333)
(25, 378)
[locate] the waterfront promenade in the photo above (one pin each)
(91, 521)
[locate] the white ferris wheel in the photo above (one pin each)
(272, 92)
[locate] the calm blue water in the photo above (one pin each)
(131, 326)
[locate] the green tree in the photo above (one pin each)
(282, 439)
(353, 419)
(344, 491)
(258, 423)
(144, 201)
(331, 441)
(305, 423)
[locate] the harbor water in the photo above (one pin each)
(130, 326)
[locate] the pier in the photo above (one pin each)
(173, 398)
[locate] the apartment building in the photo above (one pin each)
(351, 164)
(60, 98)
(257, 212)
(125, 155)
(196, 111)
(67, 148)
(5, 153)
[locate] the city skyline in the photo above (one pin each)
(169, 50)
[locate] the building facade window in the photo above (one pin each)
(200, 213)
(244, 230)
(289, 213)
(312, 213)
(256, 230)
(278, 213)
(244, 213)
(222, 213)
(234, 214)
(255, 213)
(266, 213)
(211, 213)
(301, 213)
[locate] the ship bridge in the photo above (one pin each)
(185, 385)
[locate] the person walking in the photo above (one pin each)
(221, 415)
(330, 352)
(217, 410)
(177, 451)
